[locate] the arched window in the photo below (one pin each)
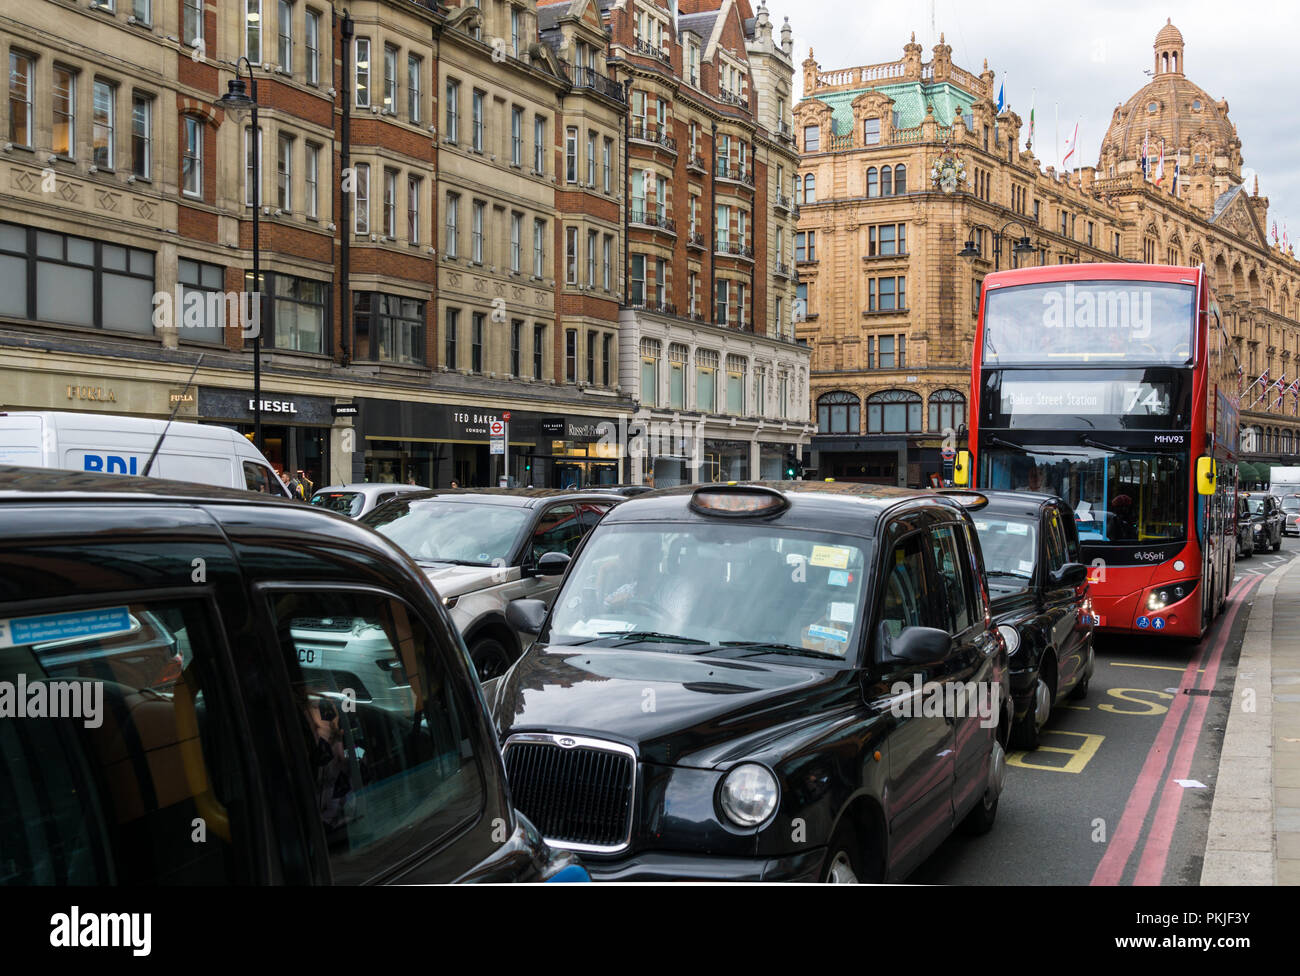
(873, 182)
(886, 181)
(900, 179)
(839, 413)
(894, 412)
(810, 189)
(947, 410)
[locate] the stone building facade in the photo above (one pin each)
(889, 302)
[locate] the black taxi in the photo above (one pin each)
(1040, 597)
(769, 681)
(178, 704)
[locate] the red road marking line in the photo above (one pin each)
(1151, 866)
(1111, 869)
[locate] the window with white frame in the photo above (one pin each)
(539, 145)
(450, 246)
(361, 67)
(311, 44)
(453, 111)
(191, 156)
(361, 204)
(607, 165)
(636, 291)
(477, 120)
(253, 30)
(414, 87)
(571, 155)
(515, 19)
(722, 294)
(192, 22)
(516, 241)
(284, 173)
(592, 239)
(607, 261)
(539, 248)
(390, 79)
(476, 232)
(142, 136)
(252, 181)
(284, 36)
(571, 255)
(516, 136)
(415, 195)
(650, 372)
(591, 158)
(65, 111)
(311, 180)
(105, 123)
(390, 203)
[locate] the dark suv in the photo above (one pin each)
(787, 681)
(205, 730)
(1040, 600)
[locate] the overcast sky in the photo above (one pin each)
(1087, 58)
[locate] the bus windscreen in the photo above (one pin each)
(1093, 322)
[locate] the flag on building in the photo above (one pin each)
(1002, 101)
(1177, 160)
(1071, 144)
(1160, 166)
(1029, 140)
(1275, 232)
(1281, 384)
(1146, 156)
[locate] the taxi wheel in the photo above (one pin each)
(1029, 730)
(843, 858)
(489, 658)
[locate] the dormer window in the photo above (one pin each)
(871, 132)
(812, 138)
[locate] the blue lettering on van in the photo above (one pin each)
(112, 463)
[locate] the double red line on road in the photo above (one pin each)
(1155, 851)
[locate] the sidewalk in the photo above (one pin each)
(1254, 835)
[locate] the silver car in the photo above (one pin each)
(356, 500)
(483, 549)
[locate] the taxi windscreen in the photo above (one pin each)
(699, 588)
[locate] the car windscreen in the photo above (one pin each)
(701, 587)
(1010, 547)
(345, 502)
(1256, 505)
(432, 530)
(1291, 503)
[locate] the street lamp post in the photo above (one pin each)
(236, 99)
(1022, 244)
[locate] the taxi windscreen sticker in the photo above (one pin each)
(831, 557)
(71, 625)
(817, 632)
(1017, 528)
(842, 613)
(837, 577)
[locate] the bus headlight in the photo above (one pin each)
(1161, 598)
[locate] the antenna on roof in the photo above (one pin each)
(176, 406)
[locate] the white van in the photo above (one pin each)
(113, 444)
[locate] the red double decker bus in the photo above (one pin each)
(1105, 384)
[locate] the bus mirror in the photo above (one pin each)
(961, 469)
(1205, 475)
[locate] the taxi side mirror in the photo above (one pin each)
(961, 469)
(1206, 476)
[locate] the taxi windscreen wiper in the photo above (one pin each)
(649, 635)
(770, 647)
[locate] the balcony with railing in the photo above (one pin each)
(650, 51)
(733, 99)
(782, 202)
(583, 77)
(696, 240)
(651, 218)
(734, 249)
(652, 303)
(781, 269)
(785, 131)
(736, 174)
(696, 164)
(654, 134)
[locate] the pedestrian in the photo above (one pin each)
(455, 484)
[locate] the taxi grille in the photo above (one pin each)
(578, 797)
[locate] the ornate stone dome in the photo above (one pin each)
(1173, 108)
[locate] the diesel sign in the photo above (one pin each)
(276, 406)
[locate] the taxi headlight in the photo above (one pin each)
(749, 795)
(1011, 636)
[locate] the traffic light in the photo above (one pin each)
(793, 466)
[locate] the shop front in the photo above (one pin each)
(86, 392)
(295, 428)
(435, 445)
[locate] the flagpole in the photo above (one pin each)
(1058, 134)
